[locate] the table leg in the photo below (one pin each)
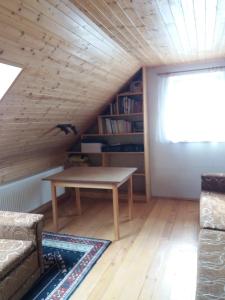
(130, 198)
(116, 212)
(54, 207)
(78, 203)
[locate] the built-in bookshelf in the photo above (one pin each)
(121, 130)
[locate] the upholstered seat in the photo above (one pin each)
(211, 265)
(20, 253)
(211, 253)
(12, 253)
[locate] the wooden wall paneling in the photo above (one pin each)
(72, 19)
(85, 22)
(172, 31)
(105, 18)
(27, 144)
(45, 155)
(101, 78)
(37, 17)
(57, 65)
(51, 22)
(125, 18)
(31, 166)
(158, 15)
(172, 16)
(155, 39)
(110, 50)
(70, 67)
(119, 31)
(22, 157)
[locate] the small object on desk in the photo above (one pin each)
(109, 178)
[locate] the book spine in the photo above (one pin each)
(108, 126)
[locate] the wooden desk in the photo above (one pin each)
(110, 178)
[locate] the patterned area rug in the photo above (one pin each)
(67, 260)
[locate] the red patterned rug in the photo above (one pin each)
(67, 260)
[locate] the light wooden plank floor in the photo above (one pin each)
(156, 257)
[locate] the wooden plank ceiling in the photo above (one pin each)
(158, 32)
(71, 68)
(76, 54)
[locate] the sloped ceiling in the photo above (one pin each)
(158, 32)
(71, 68)
(76, 54)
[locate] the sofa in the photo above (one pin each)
(211, 252)
(20, 253)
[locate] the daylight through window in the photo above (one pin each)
(193, 106)
(8, 74)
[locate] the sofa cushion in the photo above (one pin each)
(211, 265)
(212, 210)
(20, 226)
(20, 280)
(12, 253)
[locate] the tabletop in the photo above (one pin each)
(112, 175)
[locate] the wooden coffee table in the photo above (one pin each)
(109, 178)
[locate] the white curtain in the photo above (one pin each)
(191, 106)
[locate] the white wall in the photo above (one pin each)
(176, 168)
(29, 193)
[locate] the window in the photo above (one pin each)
(193, 106)
(8, 74)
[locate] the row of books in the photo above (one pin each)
(118, 126)
(113, 108)
(129, 105)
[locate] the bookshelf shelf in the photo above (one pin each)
(101, 153)
(137, 152)
(139, 174)
(112, 134)
(122, 115)
(81, 153)
(130, 94)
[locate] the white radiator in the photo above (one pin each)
(27, 194)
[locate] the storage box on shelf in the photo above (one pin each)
(121, 128)
(91, 147)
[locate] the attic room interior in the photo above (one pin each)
(112, 141)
